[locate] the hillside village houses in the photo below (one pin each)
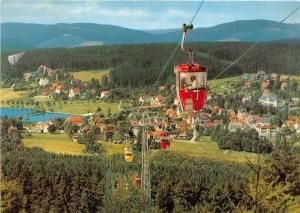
(27, 76)
(40, 127)
(267, 131)
(212, 116)
(74, 92)
(246, 98)
(274, 76)
(247, 85)
(104, 94)
(144, 99)
(269, 100)
(265, 85)
(43, 81)
(284, 85)
(75, 120)
(58, 87)
(293, 123)
(177, 101)
(157, 100)
(236, 124)
(284, 78)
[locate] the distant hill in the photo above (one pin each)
(17, 36)
(251, 31)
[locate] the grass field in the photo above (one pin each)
(112, 148)
(296, 77)
(9, 94)
(210, 150)
(216, 85)
(88, 75)
(76, 107)
(82, 107)
(204, 149)
(62, 144)
(56, 143)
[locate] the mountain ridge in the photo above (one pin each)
(22, 36)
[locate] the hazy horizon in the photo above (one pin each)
(140, 29)
(145, 15)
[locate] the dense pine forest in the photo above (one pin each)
(37, 181)
(139, 65)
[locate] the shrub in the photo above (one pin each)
(93, 148)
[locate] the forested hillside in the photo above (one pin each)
(64, 183)
(139, 65)
(33, 180)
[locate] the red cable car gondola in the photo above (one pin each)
(164, 140)
(190, 80)
(137, 181)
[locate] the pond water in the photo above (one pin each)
(30, 115)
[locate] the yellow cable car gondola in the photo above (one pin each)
(128, 154)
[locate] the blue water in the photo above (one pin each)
(30, 115)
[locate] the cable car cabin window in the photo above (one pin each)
(193, 80)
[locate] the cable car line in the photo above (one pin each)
(144, 126)
(164, 68)
(196, 12)
(172, 55)
(253, 46)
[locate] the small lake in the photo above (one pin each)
(30, 115)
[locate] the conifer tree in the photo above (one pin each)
(276, 184)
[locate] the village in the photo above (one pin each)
(266, 103)
(150, 106)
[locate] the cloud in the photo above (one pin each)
(170, 13)
(141, 14)
(109, 12)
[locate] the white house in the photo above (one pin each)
(43, 81)
(268, 100)
(104, 94)
(265, 121)
(246, 98)
(267, 131)
(74, 92)
(297, 128)
(176, 101)
(41, 127)
(27, 76)
(143, 99)
(233, 126)
(156, 100)
(261, 74)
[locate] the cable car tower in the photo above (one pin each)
(145, 174)
(145, 120)
(146, 123)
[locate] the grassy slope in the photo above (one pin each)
(297, 78)
(70, 107)
(216, 85)
(210, 150)
(57, 143)
(203, 149)
(88, 75)
(82, 107)
(112, 148)
(62, 144)
(9, 94)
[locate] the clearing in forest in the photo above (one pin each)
(88, 75)
(55, 143)
(9, 94)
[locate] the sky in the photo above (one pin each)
(145, 14)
